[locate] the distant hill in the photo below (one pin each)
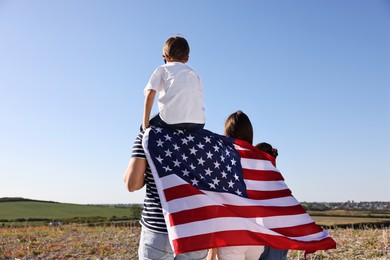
(19, 199)
(21, 208)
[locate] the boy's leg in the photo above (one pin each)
(274, 254)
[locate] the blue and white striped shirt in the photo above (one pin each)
(152, 216)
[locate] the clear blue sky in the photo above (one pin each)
(313, 76)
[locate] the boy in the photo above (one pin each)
(180, 89)
(270, 252)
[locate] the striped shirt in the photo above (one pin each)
(152, 217)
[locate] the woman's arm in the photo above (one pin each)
(134, 174)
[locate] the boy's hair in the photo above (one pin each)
(267, 148)
(177, 48)
(239, 126)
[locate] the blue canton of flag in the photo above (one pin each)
(203, 160)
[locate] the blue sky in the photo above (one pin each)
(313, 76)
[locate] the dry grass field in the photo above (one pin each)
(114, 242)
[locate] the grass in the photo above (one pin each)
(114, 242)
(50, 210)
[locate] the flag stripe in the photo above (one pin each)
(180, 191)
(265, 185)
(262, 225)
(262, 175)
(218, 239)
(208, 212)
(263, 195)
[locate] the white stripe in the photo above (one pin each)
(285, 221)
(317, 236)
(257, 164)
(265, 185)
(231, 224)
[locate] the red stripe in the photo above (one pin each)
(260, 175)
(186, 190)
(181, 191)
(298, 231)
(272, 194)
(217, 211)
(243, 237)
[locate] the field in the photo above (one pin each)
(121, 242)
(110, 232)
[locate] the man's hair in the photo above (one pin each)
(239, 126)
(177, 48)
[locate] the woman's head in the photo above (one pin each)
(239, 126)
(176, 48)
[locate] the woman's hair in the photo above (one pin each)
(239, 126)
(176, 48)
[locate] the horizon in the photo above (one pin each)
(313, 77)
(113, 204)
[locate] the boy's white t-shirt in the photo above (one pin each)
(180, 93)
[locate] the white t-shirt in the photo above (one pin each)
(180, 93)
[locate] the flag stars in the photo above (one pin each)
(167, 137)
(222, 158)
(216, 181)
(194, 182)
(200, 145)
(184, 141)
(233, 161)
(168, 153)
(167, 169)
(239, 193)
(224, 174)
(178, 132)
(209, 155)
(229, 168)
(207, 139)
(190, 138)
(158, 129)
(192, 166)
(227, 152)
(185, 172)
(159, 159)
(176, 163)
(216, 148)
(193, 150)
(184, 157)
(212, 185)
(176, 147)
(236, 177)
(208, 171)
(231, 184)
(160, 142)
(216, 164)
(201, 161)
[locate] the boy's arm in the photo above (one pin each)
(149, 100)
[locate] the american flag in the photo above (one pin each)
(217, 191)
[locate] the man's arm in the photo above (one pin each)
(134, 174)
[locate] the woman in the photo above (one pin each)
(239, 126)
(154, 242)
